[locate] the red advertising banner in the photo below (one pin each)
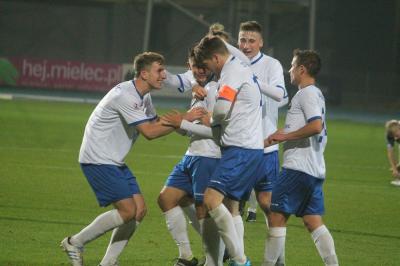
(72, 75)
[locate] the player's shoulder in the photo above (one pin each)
(311, 91)
(235, 63)
(211, 85)
(126, 91)
(271, 61)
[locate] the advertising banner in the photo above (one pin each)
(59, 74)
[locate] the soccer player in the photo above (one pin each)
(237, 117)
(392, 136)
(298, 190)
(190, 176)
(113, 127)
(269, 71)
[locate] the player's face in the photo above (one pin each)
(212, 64)
(396, 133)
(295, 71)
(200, 73)
(250, 43)
(156, 75)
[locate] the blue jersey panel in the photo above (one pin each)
(237, 172)
(297, 193)
(110, 183)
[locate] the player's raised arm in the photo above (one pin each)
(181, 82)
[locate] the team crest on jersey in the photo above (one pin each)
(138, 106)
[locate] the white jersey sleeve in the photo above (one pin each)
(276, 80)
(182, 82)
(135, 114)
(237, 53)
(310, 103)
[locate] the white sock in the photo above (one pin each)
(226, 228)
(281, 259)
(190, 212)
(102, 224)
(252, 202)
(274, 245)
(176, 224)
(326, 248)
(119, 239)
(238, 222)
(211, 242)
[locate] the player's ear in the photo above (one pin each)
(144, 74)
(303, 70)
(216, 57)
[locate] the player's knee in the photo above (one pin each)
(127, 214)
(141, 213)
(266, 207)
(209, 203)
(165, 201)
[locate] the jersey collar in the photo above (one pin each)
(256, 58)
(134, 85)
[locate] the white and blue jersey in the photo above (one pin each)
(269, 70)
(110, 131)
(306, 155)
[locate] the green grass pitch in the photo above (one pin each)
(44, 196)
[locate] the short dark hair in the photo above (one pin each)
(309, 59)
(251, 26)
(145, 60)
(192, 57)
(208, 46)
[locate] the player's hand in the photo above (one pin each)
(199, 92)
(205, 120)
(195, 114)
(172, 119)
(268, 142)
(277, 137)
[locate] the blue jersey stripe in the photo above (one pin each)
(314, 118)
(258, 59)
(143, 121)
(182, 87)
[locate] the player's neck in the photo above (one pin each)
(223, 59)
(305, 82)
(142, 86)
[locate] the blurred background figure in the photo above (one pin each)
(392, 137)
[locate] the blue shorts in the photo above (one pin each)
(237, 172)
(297, 193)
(270, 165)
(192, 174)
(110, 183)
